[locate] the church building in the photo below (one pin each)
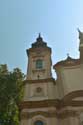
(49, 101)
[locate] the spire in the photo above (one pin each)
(39, 35)
(39, 39)
(67, 55)
(39, 42)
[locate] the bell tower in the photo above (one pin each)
(39, 86)
(39, 60)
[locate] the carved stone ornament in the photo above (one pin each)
(38, 89)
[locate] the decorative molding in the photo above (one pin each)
(38, 104)
(72, 95)
(38, 55)
(38, 70)
(58, 105)
(62, 115)
(40, 81)
(66, 101)
(42, 49)
(67, 113)
(67, 63)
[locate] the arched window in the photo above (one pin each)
(39, 64)
(38, 122)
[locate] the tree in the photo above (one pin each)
(11, 92)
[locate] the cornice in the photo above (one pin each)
(40, 81)
(72, 95)
(41, 49)
(50, 114)
(57, 104)
(68, 100)
(38, 104)
(67, 63)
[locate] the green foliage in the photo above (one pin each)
(11, 92)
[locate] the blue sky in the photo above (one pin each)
(22, 20)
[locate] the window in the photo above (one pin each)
(39, 64)
(38, 123)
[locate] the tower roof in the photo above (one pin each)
(39, 42)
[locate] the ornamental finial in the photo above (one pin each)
(39, 39)
(67, 55)
(39, 35)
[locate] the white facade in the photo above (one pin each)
(48, 101)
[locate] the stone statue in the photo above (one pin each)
(80, 34)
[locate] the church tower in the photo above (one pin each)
(39, 60)
(48, 101)
(38, 103)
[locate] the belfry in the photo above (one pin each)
(48, 101)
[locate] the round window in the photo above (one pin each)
(39, 123)
(38, 89)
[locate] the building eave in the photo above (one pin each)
(67, 63)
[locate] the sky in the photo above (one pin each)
(22, 20)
